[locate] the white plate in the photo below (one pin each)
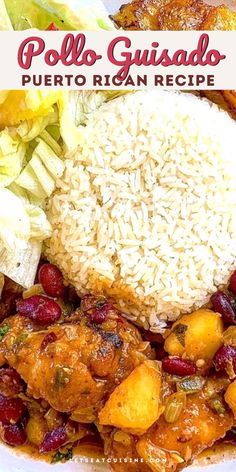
(12, 461)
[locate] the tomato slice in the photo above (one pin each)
(52, 27)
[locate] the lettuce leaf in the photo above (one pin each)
(12, 154)
(23, 227)
(21, 219)
(74, 110)
(30, 129)
(66, 15)
(30, 162)
(5, 22)
(25, 196)
(13, 216)
(40, 227)
(88, 15)
(40, 174)
(25, 14)
(20, 265)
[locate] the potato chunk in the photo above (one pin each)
(134, 404)
(198, 335)
(36, 429)
(230, 397)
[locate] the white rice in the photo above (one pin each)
(146, 209)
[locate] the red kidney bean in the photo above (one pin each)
(178, 366)
(232, 282)
(51, 279)
(40, 309)
(48, 339)
(10, 382)
(160, 353)
(101, 310)
(99, 315)
(53, 440)
(221, 304)
(11, 409)
(14, 435)
(225, 358)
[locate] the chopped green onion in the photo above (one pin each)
(4, 330)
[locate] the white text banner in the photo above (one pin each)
(118, 59)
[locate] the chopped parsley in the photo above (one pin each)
(4, 330)
(62, 377)
(62, 456)
(216, 403)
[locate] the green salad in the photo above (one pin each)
(32, 156)
(64, 15)
(37, 129)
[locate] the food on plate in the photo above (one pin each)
(80, 362)
(198, 335)
(89, 376)
(187, 435)
(134, 404)
(174, 15)
(145, 211)
(125, 337)
(54, 15)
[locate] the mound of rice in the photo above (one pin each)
(146, 209)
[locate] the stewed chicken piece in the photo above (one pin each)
(76, 365)
(179, 435)
(174, 15)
